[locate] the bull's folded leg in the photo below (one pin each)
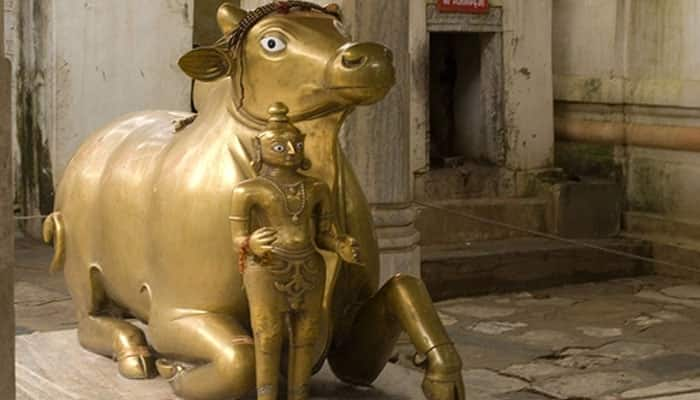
(402, 303)
(120, 340)
(106, 335)
(221, 350)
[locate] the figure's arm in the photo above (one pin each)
(241, 206)
(326, 236)
(239, 216)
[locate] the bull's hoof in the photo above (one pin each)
(443, 390)
(443, 378)
(168, 369)
(136, 364)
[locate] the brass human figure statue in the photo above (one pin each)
(284, 275)
(141, 229)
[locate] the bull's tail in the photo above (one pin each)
(53, 232)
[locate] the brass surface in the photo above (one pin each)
(279, 217)
(142, 221)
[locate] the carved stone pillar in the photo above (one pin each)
(379, 147)
(7, 318)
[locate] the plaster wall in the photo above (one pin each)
(81, 64)
(631, 65)
(110, 59)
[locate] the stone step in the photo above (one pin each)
(469, 180)
(672, 240)
(667, 228)
(440, 227)
(589, 208)
(683, 255)
(515, 264)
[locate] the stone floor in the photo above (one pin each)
(628, 339)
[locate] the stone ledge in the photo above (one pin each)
(493, 266)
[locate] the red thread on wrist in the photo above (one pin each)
(243, 253)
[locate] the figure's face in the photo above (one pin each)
(282, 149)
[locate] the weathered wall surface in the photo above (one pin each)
(627, 76)
(82, 63)
(527, 63)
(7, 326)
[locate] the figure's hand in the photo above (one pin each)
(261, 240)
(443, 375)
(349, 250)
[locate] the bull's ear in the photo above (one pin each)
(206, 63)
(228, 17)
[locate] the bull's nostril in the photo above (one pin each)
(351, 61)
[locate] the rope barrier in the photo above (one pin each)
(26, 217)
(516, 228)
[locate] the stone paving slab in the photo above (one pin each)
(664, 389)
(52, 366)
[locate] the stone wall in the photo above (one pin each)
(80, 64)
(627, 78)
(7, 326)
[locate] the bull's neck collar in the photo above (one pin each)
(255, 123)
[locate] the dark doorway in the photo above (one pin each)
(459, 129)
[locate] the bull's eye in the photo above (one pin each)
(273, 44)
(278, 148)
(299, 146)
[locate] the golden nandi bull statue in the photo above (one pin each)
(141, 225)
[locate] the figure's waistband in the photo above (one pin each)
(293, 254)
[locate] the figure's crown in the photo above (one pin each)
(278, 112)
(278, 120)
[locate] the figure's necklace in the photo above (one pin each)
(293, 189)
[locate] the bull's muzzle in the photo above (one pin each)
(361, 73)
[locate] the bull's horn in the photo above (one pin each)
(228, 17)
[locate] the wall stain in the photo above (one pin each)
(591, 89)
(525, 72)
(34, 190)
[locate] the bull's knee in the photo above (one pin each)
(400, 282)
(236, 364)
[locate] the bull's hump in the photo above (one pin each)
(141, 133)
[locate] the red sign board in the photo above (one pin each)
(463, 6)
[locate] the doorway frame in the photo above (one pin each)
(426, 20)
